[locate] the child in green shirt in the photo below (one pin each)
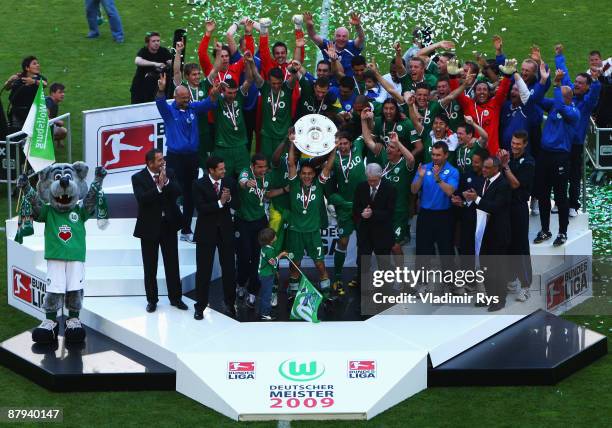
(268, 268)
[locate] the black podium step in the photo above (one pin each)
(99, 364)
(541, 349)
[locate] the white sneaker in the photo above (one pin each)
(573, 212)
(274, 300)
(535, 207)
(514, 286)
(187, 237)
(267, 318)
(523, 295)
(250, 302)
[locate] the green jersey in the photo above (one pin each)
(410, 85)
(230, 130)
(404, 129)
(64, 233)
(276, 111)
(360, 88)
(349, 170)
(400, 176)
(309, 103)
(305, 205)
(455, 115)
(464, 156)
(252, 198)
(429, 114)
(268, 262)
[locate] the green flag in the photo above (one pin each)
(307, 301)
(39, 144)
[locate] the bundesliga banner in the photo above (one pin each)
(117, 138)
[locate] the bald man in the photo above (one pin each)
(182, 141)
(345, 47)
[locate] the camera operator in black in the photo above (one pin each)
(151, 60)
(23, 88)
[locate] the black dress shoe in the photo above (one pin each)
(179, 304)
(198, 315)
(151, 307)
(496, 307)
(230, 311)
(480, 304)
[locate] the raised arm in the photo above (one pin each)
(251, 72)
(291, 164)
(229, 37)
(203, 48)
(176, 66)
(407, 154)
(445, 44)
(366, 132)
(399, 60)
(310, 29)
(326, 171)
(484, 136)
(522, 87)
(386, 85)
(355, 21)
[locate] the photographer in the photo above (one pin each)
(23, 88)
(150, 61)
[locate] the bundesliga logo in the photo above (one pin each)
(241, 370)
(361, 369)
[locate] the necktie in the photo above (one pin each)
(216, 186)
(156, 178)
(372, 193)
(486, 185)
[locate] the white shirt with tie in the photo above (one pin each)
(486, 186)
(218, 182)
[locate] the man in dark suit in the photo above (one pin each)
(158, 220)
(496, 202)
(214, 195)
(373, 208)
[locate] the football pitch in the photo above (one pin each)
(97, 73)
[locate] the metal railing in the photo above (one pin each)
(18, 139)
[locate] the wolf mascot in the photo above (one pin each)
(56, 203)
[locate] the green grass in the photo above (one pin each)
(98, 73)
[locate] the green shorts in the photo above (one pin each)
(345, 224)
(400, 228)
(309, 241)
(235, 158)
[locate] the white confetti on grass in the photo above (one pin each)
(386, 21)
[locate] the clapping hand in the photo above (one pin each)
(558, 76)
(367, 212)
(251, 183)
(470, 195)
(225, 195)
(421, 170)
(504, 157)
(456, 200)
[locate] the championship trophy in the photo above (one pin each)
(315, 135)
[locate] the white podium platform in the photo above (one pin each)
(288, 370)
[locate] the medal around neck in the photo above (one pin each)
(315, 135)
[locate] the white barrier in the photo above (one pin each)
(118, 138)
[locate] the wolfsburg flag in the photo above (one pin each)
(307, 301)
(39, 144)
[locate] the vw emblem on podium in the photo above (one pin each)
(315, 135)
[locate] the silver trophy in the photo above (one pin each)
(315, 135)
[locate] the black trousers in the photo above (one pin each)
(575, 175)
(434, 226)
(552, 173)
(205, 257)
(248, 251)
(365, 248)
(497, 275)
(535, 138)
(519, 242)
(185, 166)
(150, 252)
